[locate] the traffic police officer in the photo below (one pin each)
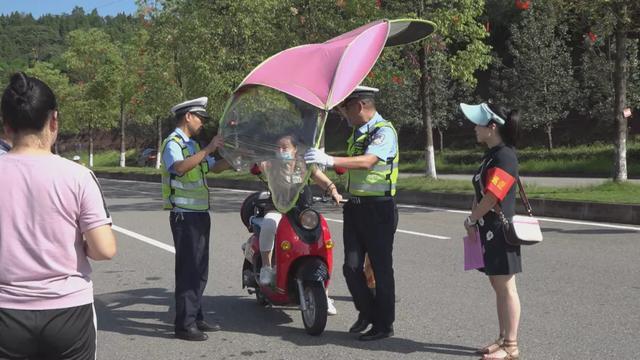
(5, 147)
(185, 193)
(370, 215)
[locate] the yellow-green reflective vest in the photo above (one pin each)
(189, 191)
(382, 178)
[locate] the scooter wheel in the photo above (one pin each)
(315, 315)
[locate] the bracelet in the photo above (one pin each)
(470, 222)
(326, 191)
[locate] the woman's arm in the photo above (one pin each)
(325, 183)
(100, 243)
(487, 203)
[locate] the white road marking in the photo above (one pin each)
(404, 231)
(145, 239)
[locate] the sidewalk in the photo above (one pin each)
(533, 180)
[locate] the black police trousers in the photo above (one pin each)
(191, 239)
(369, 228)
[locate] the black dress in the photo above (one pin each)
(497, 174)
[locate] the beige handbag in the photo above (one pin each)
(520, 230)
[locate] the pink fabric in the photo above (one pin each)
(46, 203)
(323, 74)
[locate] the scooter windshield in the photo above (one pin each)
(269, 128)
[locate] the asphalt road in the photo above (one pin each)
(580, 291)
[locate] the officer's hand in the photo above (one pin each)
(216, 142)
(317, 156)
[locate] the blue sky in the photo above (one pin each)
(41, 7)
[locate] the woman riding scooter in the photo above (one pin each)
(289, 172)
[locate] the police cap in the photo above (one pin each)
(362, 92)
(196, 106)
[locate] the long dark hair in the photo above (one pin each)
(510, 131)
(27, 103)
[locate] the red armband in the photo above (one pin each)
(498, 182)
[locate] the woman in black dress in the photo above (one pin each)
(495, 183)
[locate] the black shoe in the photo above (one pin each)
(375, 334)
(360, 325)
(191, 334)
(204, 326)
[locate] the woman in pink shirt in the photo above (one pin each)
(52, 218)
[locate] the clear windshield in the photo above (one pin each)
(272, 129)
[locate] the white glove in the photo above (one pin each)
(317, 156)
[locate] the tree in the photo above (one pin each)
(64, 91)
(459, 38)
(615, 20)
(92, 60)
(541, 82)
(157, 89)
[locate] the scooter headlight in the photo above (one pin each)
(309, 219)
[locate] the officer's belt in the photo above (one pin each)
(368, 199)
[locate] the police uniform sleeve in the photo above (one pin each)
(211, 161)
(383, 144)
(172, 153)
(501, 173)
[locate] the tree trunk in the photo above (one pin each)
(549, 138)
(620, 77)
(159, 143)
(425, 110)
(90, 146)
(55, 148)
(441, 133)
(122, 139)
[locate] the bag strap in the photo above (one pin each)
(523, 198)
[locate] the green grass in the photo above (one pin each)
(109, 158)
(592, 160)
(608, 192)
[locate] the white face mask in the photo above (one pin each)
(284, 155)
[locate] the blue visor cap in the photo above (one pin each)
(480, 114)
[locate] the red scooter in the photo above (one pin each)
(303, 256)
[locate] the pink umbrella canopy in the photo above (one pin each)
(325, 74)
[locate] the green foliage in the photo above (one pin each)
(541, 83)
(66, 93)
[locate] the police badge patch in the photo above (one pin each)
(377, 139)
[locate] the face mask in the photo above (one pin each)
(284, 155)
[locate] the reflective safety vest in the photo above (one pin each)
(382, 178)
(189, 191)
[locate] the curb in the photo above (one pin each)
(616, 213)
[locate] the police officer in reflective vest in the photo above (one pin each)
(185, 193)
(371, 215)
(5, 146)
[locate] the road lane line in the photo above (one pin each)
(404, 231)
(145, 239)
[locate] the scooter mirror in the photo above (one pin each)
(255, 170)
(339, 170)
